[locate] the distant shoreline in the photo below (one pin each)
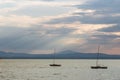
(59, 55)
(59, 59)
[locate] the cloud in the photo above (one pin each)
(18, 21)
(41, 10)
(87, 18)
(94, 12)
(101, 5)
(111, 29)
(35, 8)
(32, 40)
(39, 26)
(75, 28)
(19, 39)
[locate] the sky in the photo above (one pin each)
(39, 26)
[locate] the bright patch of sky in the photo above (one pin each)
(36, 8)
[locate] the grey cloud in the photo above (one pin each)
(111, 29)
(13, 38)
(104, 13)
(108, 37)
(102, 6)
(87, 20)
(102, 39)
(37, 37)
(100, 20)
(107, 8)
(64, 20)
(61, 31)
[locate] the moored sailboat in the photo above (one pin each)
(97, 66)
(54, 63)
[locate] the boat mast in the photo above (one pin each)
(98, 55)
(54, 57)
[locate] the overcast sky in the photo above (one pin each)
(39, 26)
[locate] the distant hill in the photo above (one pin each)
(60, 55)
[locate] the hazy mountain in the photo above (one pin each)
(60, 55)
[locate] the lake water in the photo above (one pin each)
(37, 69)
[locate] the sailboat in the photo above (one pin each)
(97, 65)
(54, 64)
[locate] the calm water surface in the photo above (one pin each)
(37, 69)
